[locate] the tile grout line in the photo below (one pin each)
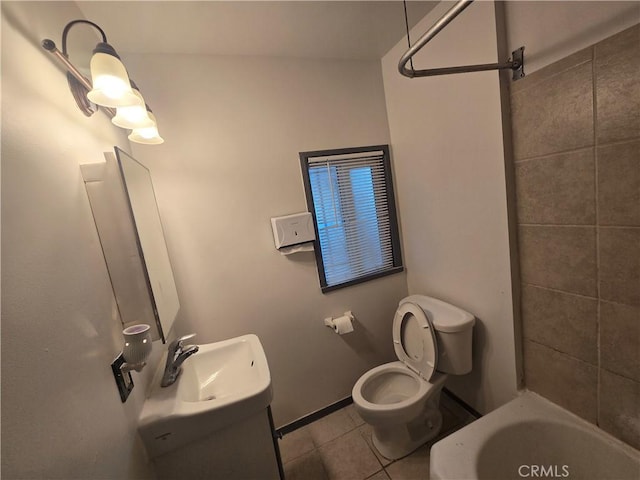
(594, 75)
(611, 372)
(358, 428)
(568, 225)
(574, 294)
(317, 447)
(557, 290)
(460, 423)
(544, 77)
(370, 447)
(601, 292)
(546, 156)
(573, 357)
(585, 225)
(613, 143)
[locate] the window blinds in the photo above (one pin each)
(351, 206)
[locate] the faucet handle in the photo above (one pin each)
(185, 337)
(177, 343)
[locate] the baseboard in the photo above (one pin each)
(462, 403)
(323, 412)
(312, 417)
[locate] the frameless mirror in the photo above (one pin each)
(142, 200)
(126, 214)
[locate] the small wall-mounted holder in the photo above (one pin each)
(136, 350)
(293, 233)
(341, 325)
(518, 63)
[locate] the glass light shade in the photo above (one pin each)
(137, 343)
(147, 135)
(111, 85)
(134, 116)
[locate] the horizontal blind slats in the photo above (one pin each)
(352, 214)
(345, 158)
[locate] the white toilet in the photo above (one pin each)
(400, 399)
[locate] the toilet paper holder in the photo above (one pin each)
(341, 325)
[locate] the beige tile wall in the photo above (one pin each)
(576, 131)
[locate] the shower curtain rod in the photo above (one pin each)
(517, 64)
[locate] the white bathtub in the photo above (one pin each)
(531, 438)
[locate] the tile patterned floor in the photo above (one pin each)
(338, 447)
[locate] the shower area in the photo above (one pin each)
(572, 169)
(576, 143)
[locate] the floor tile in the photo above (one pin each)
(353, 413)
(347, 452)
(450, 421)
(307, 467)
(295, 444)
(366, 431)
(349, 458)
(412, 467)
(330, 427)
(381, 475)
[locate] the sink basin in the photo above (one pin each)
(229, 371)
(223, 383)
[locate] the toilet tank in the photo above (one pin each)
(453, 328)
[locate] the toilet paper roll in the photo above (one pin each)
(342, 325)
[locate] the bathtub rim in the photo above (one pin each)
(526, 406)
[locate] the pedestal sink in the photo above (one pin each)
(216, 409)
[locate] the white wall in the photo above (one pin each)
(233, 128)
(61, 412)
(552, 30)
(447, 143)
(237, 166)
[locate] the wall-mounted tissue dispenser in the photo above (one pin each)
(292, 230)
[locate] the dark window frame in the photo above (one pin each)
(391, 206)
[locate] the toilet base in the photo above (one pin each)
(397, 441)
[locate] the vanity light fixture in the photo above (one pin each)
(147, 134)
(109, 87)
(133, 116)
(111, 84)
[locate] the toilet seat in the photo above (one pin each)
(414, 340)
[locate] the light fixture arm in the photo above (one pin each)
(65, 32)
(50, 46)
(79, 92)
(62, 57)
(78, 88)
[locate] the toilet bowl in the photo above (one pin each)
(400, 399)
(401, 407)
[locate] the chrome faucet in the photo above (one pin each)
(177, 353)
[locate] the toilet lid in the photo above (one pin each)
(414, 340)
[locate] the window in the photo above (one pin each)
(350, 195)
